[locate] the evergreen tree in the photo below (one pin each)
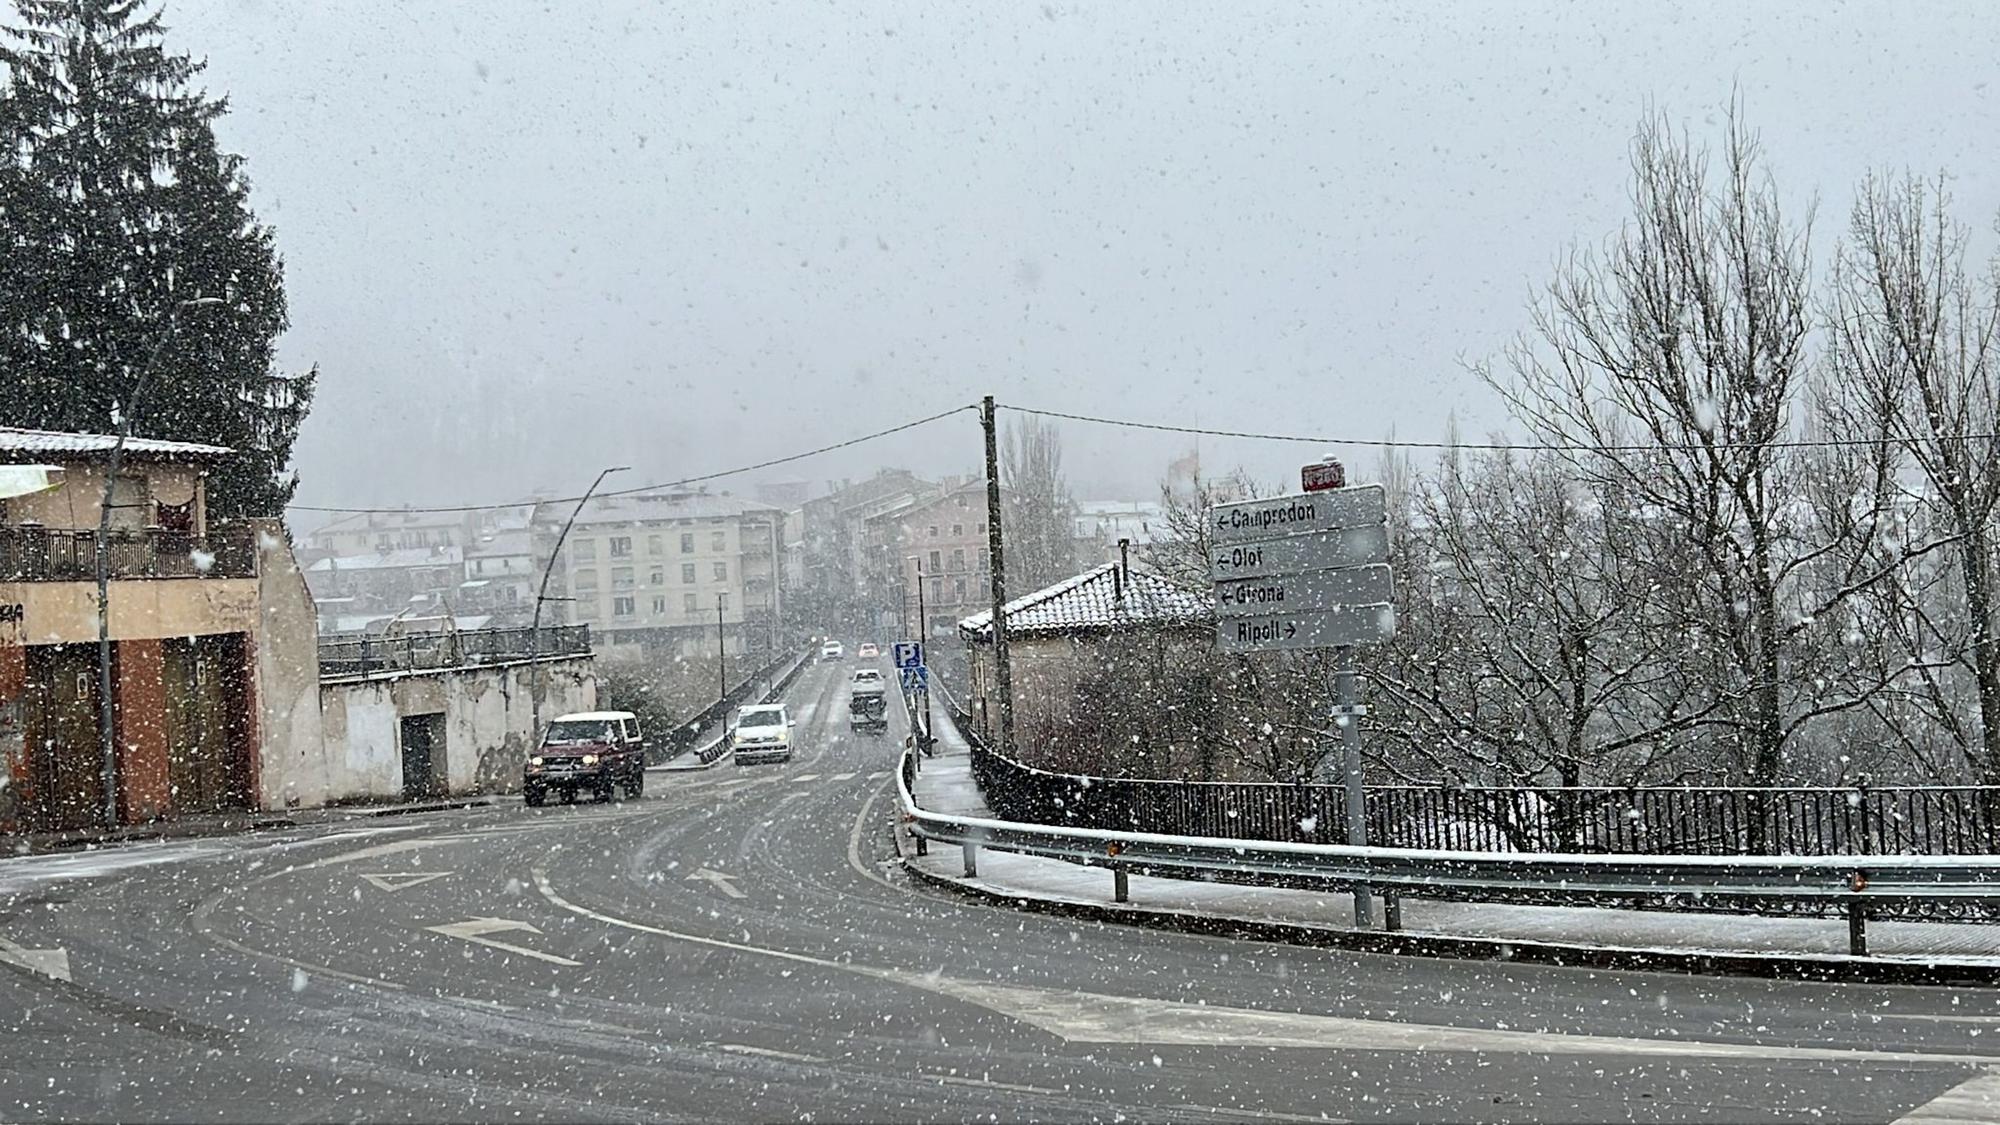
(115, 205)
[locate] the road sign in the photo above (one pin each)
(908, 654)
(1352, 546)
(1329, 628)
(916, 679)
(1322, 475)
(1298, 514)
(1317, 589)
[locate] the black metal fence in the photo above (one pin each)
(1660, 820)
(41, 554)
(362, 655)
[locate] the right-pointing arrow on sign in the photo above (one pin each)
(1347, 625)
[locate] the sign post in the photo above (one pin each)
(1310, 571)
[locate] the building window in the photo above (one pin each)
(621, 546)
(687, 575)
(962, 503)
(587, 580)
(958, 532)
(959, 583)
(937, 564)
(689, 604)
(656, 545)
(621, 578)
(660, 605)
(585, 549)
(687, 542)
(934, 536)
(659, 576)
(722, 575)
(937, 590)
(719, 541)
(622, 607)
(958, 561)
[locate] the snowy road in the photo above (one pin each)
(737, 945)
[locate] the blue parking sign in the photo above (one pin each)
(908, 654)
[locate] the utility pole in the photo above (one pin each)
(1347, 714)
(107, 742)
(542, 595)
(923, 641)
(1003, 680)
(721, 652)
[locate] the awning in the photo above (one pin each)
(26, 480)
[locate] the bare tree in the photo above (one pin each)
(1040, 514)
(1912, 350)
(1668, 372)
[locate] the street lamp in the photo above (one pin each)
(542, 595)
(107, 743)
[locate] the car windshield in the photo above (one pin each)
(582, 730)
(762, 717)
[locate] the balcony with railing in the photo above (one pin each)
(30, 553)
(365, 655)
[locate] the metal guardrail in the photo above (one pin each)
(41, 554)
(431, 651)
(1858, 886)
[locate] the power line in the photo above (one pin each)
(1523, 447)
(740, 469)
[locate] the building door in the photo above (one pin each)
(423, 756)
(208, 744)
(65, 763)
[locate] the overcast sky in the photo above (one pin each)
(525, 240)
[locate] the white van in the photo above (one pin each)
(763, 733)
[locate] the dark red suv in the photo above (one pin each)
(596, 751)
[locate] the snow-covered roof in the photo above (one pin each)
(662, 506)
(16, 442)
(1090, 603)
(397, 559)
(594, 716)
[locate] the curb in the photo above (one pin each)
(1839, 969)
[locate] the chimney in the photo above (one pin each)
(1125, 558)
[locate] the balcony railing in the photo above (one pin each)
(352, 655)
(41, 554)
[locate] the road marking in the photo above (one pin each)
(48, 962)
(1964, 1104)
(766, 1052)
(718, 880)
(805, 777)
(1096, 1018)
(475, 929)
(399, 880)
(849, 776)
(989, 1084)
(878, 775)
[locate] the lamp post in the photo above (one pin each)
(721, 652)
(107, 742)
(542, 595)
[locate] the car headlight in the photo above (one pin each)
(590, 759)
(535, 761)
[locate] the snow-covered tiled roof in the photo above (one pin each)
(1090, 603)
(52, 443)
(395, 559)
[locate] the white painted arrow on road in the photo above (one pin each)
(719, 880)
(397, 880)
(48, 962)
(475, 929)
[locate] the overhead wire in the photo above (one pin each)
(447, 509)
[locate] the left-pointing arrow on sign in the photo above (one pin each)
(48, 962)
(475, 930)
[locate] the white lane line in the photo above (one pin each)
(805, 777)
(1097, 1018)
(766, 1052)
(988, 1084)
(1967, 1103)
(848, 776)
(48, 962)
(878, 775)
(475, 929)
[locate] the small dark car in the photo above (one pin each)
(593, 751)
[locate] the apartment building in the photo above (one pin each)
(943, 537)
(664, 574)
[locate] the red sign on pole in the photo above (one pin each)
(1323, 475)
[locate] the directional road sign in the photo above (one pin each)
(1328, 628)
(1297, 514)
(1318, 589)
(916, 679)
(908, 654)
(1294, 554)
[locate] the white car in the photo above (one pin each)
(832, 650)
(763, 733)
